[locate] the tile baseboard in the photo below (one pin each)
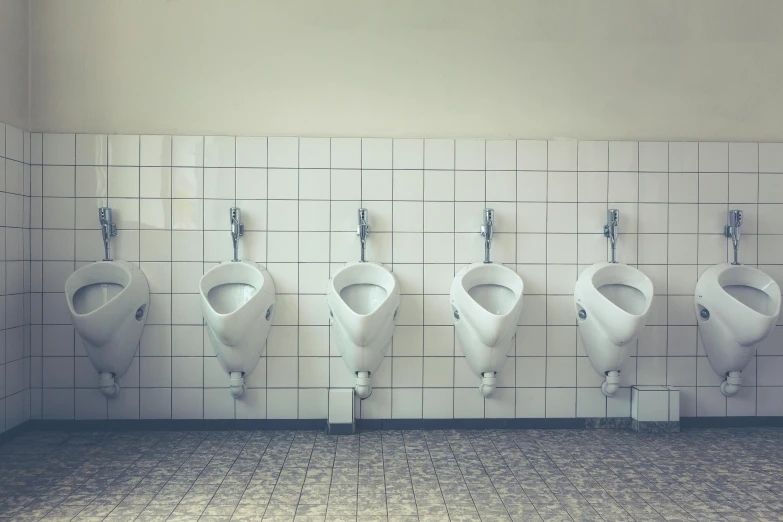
(655, 426)
(382, 424)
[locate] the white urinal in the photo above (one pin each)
(238, 303)
(363, 301)
(486, 301)
(108, 302)
(737, 306)
(612, 302)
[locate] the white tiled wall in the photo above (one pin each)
(299, 197)
(14, 277)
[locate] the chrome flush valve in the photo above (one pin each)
(733, 230)
(610, 230)
(363, 230)
(486, 232)
(108, 229)
(237, 228)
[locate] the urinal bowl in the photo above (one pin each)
(736, 306)
(612, 302)
(486, 302)
(246, 353)
(484, 361)
(108, 302)
(605, 355)
(238, 303)
(363, 300)
(367, 356)
(480, 357)
(725, 354)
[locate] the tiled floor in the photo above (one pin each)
(729, 474)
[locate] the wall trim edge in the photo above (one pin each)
(368, 424)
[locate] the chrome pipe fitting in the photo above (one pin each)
(734, 230)
(108, 230)
(237, 229)
(610, 230)
(363, 230)
(486, 232)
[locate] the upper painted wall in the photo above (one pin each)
(608, 69)
(14, 63)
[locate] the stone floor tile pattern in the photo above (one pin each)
(394, 476)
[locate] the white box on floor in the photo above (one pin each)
(341, 412)
(655, 403)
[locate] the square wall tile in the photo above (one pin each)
(561, 402)
(771, 157)
(376, 153)
(593, 156)
(187, 151)
(439, 154)
(283, 152)
(155, 151)
(282, 404)
(155, 403)
(624, 156)
(562, 155)
(438, 403)
(713, 157)
(408, 154)
(58, 149)
(91, 149)
(251, 152)
(314, 153)
(346, 153)
(219, 151)
(124, 150)
(683, 157)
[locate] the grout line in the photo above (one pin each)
(758, 198)
(546, 282)
(299, 295)
(576, 333)
(329, 273)
(171, 256)
(74, 267)
(454, 270)
(266, 264)
(698, 202)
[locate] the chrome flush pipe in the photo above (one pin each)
(237, 228)
(486, 231)
(610, 230)
(733, 231)
(108, 229)
(363, 230)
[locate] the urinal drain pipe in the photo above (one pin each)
(487, 386)
(236, 384)
(731, 385)
(109, 387)
(611, 384)
(363, 388)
